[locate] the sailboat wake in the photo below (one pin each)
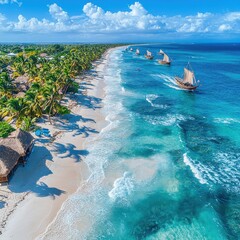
(169, 81)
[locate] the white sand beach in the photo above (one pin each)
(55, 169)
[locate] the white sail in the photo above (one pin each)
(166, 58)
(161, 51)
(137, 51)
(189, 77)
(149, 53)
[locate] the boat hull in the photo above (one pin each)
(164, 63)
(149, 57)
(183, 86)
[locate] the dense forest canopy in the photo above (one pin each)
(35, 78)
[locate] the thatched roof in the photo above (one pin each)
(20, 94)
(19, 140)
(43, 55)
(11, 54)
(21, 79)
(9, 68)
(8, 160)
(22, 83)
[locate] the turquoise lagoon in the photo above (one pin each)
(167, 165)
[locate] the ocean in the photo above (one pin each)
(167, 164)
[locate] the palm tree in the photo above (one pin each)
(6, 86)
(49, 81)
(14, 110)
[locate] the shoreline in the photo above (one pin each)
(39, 190)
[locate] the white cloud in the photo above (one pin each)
(57, 13)
(224, 27)
(93, 11)
(10, 1)
(2, 18)
(233, 16)
(2, 23)
(31, 25)
(137, 9)
(137, 20)
(196, 23)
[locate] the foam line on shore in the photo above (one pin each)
(95, 168)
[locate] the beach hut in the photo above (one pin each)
(43, 55)
(8, 160)
(20, 141)
(21, 83)
(20, 94)
(14, 149)
(11, 54)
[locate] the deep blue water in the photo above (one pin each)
(167, 165)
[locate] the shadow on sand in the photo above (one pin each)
(73, 123)
(88, 101)
(26, 178)
(69, 151)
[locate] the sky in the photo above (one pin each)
(119, 20)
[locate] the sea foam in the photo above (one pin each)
(151, 97)
(122, 188)
(226, 120)
(188, 161)
(166, 120)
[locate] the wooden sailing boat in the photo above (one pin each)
(161, 52)
(137, 52)
(189, 81)
(166, 60)
(149, 55)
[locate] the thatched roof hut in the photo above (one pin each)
(20, 95)
(11, 54)
(43, 55)
(8, 160)
(22, 79)
(19, 140)
(22, 83)
(9, 68)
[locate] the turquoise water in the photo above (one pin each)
(167, 165)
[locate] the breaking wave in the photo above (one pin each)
(226, 120)
(122, 188)
(151, 99)
(197, 173)
(167, 120)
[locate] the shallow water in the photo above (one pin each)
(167, 165)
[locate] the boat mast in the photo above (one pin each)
(189, 76)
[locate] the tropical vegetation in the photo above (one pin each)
(5, 129)
(35, 78)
